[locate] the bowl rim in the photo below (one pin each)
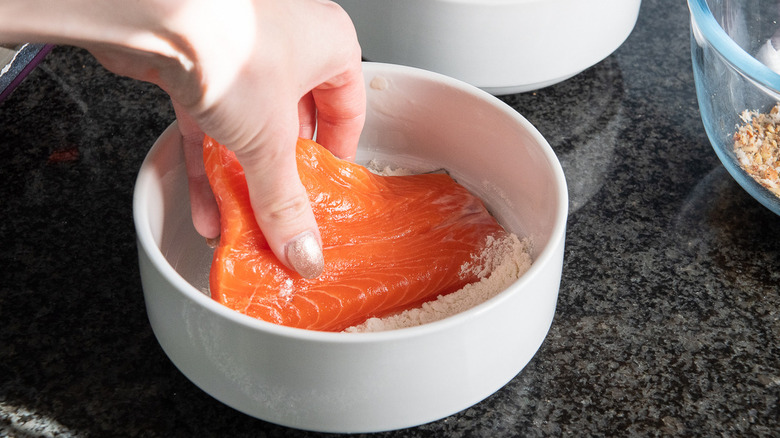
(741, 60)
(148, 174)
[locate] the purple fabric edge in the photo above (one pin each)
(26, 70)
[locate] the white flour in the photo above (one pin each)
(502, 262)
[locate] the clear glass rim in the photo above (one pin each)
(741, 60)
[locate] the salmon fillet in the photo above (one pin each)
(390, 243)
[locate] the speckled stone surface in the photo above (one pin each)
(668, 320)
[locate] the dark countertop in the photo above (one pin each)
(668, 321)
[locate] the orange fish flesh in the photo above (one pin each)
(390, 243)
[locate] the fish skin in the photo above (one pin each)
(390, 242)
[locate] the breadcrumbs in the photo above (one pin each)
(756, 148)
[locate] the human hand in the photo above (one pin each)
(253, 74)
(282, 91)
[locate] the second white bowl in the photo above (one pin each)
(501, 46)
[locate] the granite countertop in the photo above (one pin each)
(668, 320)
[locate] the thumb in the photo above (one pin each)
(281, 205)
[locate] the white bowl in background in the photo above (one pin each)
(501, 46)
(365, 382)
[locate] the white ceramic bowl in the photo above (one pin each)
(501, 46)
(362, 382)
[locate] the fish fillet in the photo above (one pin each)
(390, 242)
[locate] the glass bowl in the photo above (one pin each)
(728, 37)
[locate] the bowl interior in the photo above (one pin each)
(415, 124)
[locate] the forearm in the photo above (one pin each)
(76, 22)
(133, 38)
(159, 41)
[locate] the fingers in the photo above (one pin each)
(308, 80)
(341, 112)
(337, 114)
(279, 200)
(281, 205)
(307, 117)
(205, 214)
